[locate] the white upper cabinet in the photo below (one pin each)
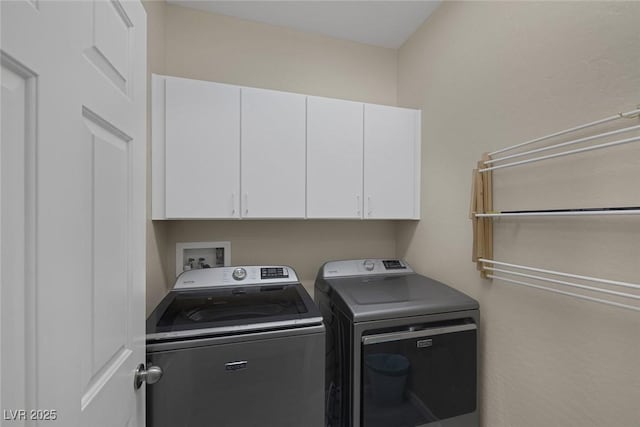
(202, 149)
(273, 154)
(391, 162)
(223, 151)
(334, 158)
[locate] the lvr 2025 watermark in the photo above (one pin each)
(29, 415)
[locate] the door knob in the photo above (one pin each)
(151, 375)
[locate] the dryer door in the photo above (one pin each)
(416, 377)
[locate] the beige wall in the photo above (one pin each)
(304, 245)
(489, 75)
(194, 44)
(208, 46)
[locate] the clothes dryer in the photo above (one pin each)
(401, 347)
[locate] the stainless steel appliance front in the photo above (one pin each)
(270, 378)
(236, 350)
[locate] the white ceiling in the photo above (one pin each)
(379, 23)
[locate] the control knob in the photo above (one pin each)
(369, 265)
(239, 274)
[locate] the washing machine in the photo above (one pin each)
(401, 348)
(235, 347)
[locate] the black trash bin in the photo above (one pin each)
(387, 374)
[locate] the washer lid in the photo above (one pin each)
(386, 297)
(214, 311)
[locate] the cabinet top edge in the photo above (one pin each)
(155, 76)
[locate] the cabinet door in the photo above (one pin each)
(391, 162)
(202, 149)
(273, 154)
(334, 158)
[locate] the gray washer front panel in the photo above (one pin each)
(271, 378)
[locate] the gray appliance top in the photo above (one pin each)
(379, 296)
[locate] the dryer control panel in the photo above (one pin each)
(239, 275)
(365, 267)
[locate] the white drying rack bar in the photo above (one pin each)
(559, 273)
(563, 144)
(564, 283)
(564, 153)
(570, 294)
(627, 115)
(567, 212)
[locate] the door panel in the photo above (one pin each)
(16, 228)
(111, 185)
(391, 162)
(110, 51)
(202, 149)
(113, 111)
(82, 308)
(273, 154)
(334, 158)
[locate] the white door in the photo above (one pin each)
(73, 211)
(273, 154)
(391, 162)
(202, 149)
(334, 158)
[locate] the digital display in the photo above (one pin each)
(273, 273)
(393, 264)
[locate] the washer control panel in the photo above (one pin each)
(274, 273)
(365, 267)
(240, 275)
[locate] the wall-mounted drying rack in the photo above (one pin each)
(482, 214)
(503, 268)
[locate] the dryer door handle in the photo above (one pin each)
(403, 335)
